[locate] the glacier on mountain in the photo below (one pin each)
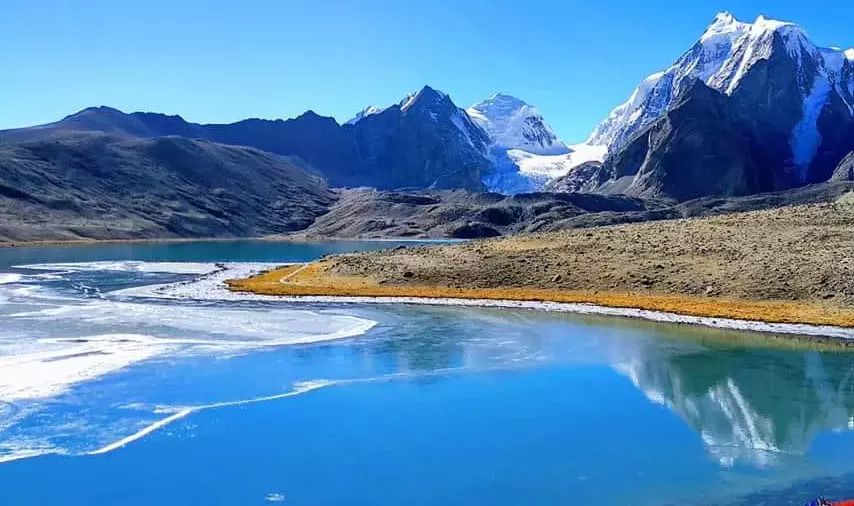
(526, 152)
(805, 136)
(519, 171)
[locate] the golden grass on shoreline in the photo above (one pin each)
(790, 265)
(314, 279)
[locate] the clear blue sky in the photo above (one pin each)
(220, 61)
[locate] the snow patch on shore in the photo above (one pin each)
(580, 308)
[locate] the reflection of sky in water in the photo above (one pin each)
(756, 412)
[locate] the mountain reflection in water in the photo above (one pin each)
(750, 405)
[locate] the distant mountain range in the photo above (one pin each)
(749, 108)
(425, 141)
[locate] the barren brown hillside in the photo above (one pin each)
(791, 264)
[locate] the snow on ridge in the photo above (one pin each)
(408, 101)
(511, 123)
(723, 25)
(463, 124)
(364, 113)
(413, 97)
(604, 134)
(763, 23)
(836, 69)
(750, 42)
(504, 98)
(723, 55)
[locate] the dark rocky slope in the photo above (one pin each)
(100, 187)
(697, 148)
(460, 214)
(103, 187)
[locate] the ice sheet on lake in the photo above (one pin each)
(212, 287)
(208, 287)
(51, 343)
(56, 365)
(216, 326)
(48, 366)
(126, 266)
(8, 278)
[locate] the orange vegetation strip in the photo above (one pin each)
(314, 279)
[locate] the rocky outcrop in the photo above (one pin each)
(582, 178)
(845, 170)
(367, 213)
(461, 214)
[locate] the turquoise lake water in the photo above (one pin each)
(112, 396)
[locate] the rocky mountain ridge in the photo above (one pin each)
(425, 141)
(751, 107)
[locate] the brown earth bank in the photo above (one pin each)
(789, 265)
(129, 194)
(370, 214)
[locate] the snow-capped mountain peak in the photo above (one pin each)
(754, 42)
(435, 107)
(513, 124)
(425, 95)
(722, 57)
(724, 26)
